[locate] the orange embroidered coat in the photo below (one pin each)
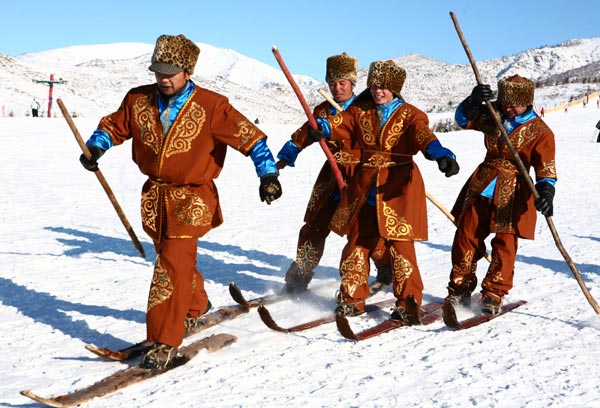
(180, 199)
(515, 210)
(345, 154)
(387, 163)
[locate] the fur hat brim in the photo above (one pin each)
(164, 68)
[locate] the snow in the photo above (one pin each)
(71, 275)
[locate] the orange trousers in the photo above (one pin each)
(176, 292)
(311, 245)
(469, 246)
(363, 240)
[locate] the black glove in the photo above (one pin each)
(448, 166)
(91, 164)
(544, 203)
(472, 105)
(270, 189)
(315, 134)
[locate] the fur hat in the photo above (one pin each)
(341, 66)
(388, 75)
(515, 91)
(173, 54)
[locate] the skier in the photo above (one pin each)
(35, 108)
(180, 133)
(495, 199)
(386, 197)
(340, 75)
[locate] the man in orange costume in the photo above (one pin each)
(496, 198)
(386, 197)
(180, 133)
(341, 75)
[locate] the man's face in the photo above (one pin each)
(511, 111)
(381, 95)
(169, 85)
(341, 90)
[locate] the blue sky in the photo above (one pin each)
(306, 32)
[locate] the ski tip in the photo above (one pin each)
(344, 327)
(237, 294)
(273, 48)
(449, 315)
(50, 402)
(267, 319)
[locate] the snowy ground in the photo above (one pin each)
(70, 276)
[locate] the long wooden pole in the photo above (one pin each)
(525, 173)
(101, 179)
(311, 119)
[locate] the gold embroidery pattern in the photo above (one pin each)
(150, 207)
(504, 208)
(524, 135)
(379, 161)
(341, 216)
(245, 132)
(190, 208)
(354, 271)
(396, 128)
(185, 129)
(315, 196)
(194, 282)
(345, 158)
(548, 169)
(396, 226)
(494, 271)
(335, 120)
(307, 257)
(464, 268)
(423, 135)
(401, 268)
(144, 118)
(367, 128)
(161, 288)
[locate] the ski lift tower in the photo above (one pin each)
(50, 84)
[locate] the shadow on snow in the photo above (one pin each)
(219, 263)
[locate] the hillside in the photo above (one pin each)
(98, 76)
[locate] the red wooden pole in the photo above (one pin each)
(313, 123)
(50, 94)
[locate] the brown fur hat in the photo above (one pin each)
(173, 54)
(341, 66)
(388, 75)
(515, 91)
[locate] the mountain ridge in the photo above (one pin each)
(98, 76)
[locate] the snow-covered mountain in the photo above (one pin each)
(98, 76)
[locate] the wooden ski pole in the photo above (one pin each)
(435, 202)
(101, 179)
(311, 120)
(524, 172)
